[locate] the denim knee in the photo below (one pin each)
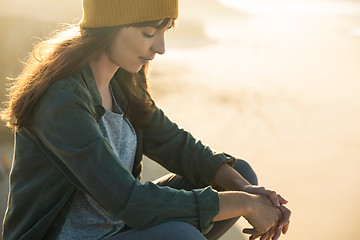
(181, 230)
(245, 170)
(175, 230)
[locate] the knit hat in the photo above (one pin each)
(108, 13)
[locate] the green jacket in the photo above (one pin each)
(64, 150)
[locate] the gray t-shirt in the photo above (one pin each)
(87, 219)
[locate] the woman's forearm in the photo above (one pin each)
(229, 179)
(233, 204)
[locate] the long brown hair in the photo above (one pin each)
(59, 57)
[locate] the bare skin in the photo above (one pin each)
(267, 214)
(103, 77)
(257, 210)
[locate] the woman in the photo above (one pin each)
(83, 118)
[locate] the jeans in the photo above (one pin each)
(181, 230)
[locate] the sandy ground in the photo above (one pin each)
(279, 91)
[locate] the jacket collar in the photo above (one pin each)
(90, 82)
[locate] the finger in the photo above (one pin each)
(253, 237)
(277, 233)
(273, 198)
(286, 213)
(285, 228)
(251, 231)
(265, 236)
(259, 190)
(281, 199)
(263, 191)
(269, 237)
(271, 233)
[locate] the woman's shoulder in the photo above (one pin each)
(71, 83)
(69, 90)
(66, 101)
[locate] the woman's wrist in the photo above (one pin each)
(241, 184)
(249, 201)
(234, 204)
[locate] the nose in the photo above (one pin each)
(159, 45)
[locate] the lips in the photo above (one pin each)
(145, 60)
(149, 58)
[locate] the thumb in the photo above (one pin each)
(251, 231)
(274, 199)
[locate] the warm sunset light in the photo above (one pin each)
(292, 8)
(275, 82)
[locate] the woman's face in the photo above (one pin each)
(135, 46)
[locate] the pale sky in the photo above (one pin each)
(293, 7)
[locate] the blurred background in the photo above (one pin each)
(272, 81)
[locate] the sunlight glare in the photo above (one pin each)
(292, 8)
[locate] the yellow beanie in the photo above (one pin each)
(108, 13)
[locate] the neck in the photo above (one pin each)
(103, 70)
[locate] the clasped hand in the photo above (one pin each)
(266, 229)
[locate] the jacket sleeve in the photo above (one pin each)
(68, 134)
(179, 152)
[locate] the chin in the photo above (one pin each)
(133, 69)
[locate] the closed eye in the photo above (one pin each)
(148, 35)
